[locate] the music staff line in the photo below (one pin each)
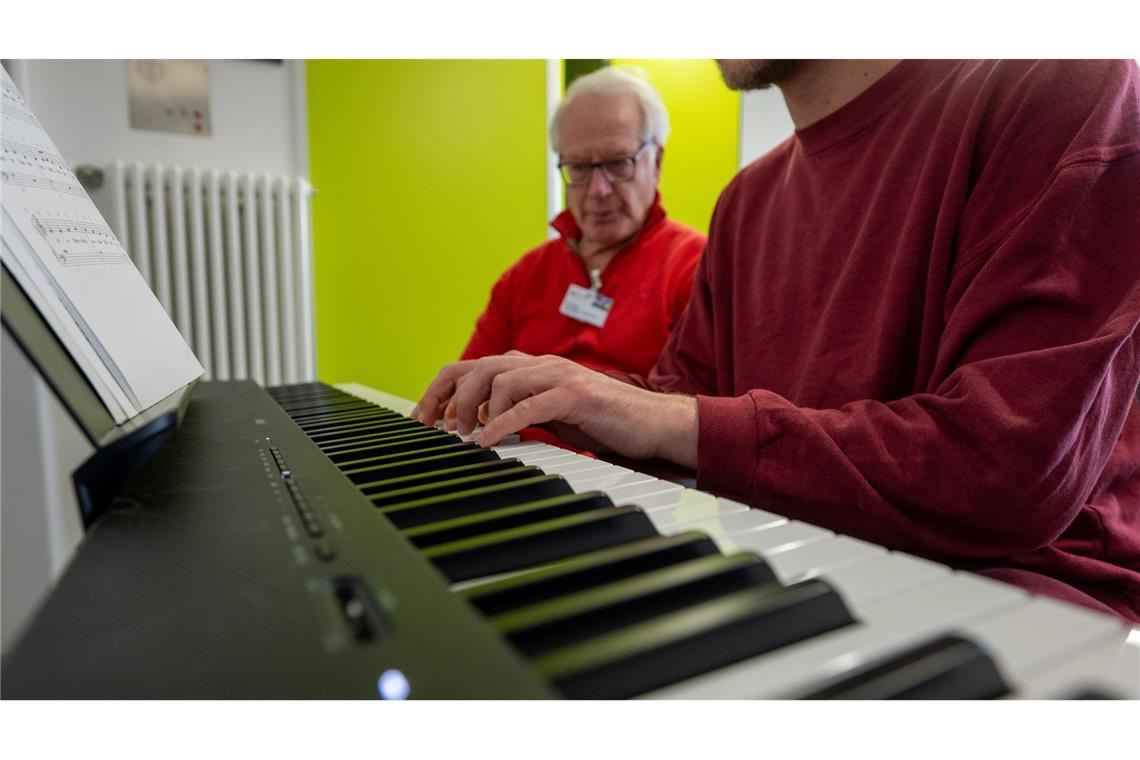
(42, 183)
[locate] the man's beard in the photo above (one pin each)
(747, 74)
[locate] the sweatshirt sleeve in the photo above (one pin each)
(1036, 371)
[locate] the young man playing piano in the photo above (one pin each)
(915, 323)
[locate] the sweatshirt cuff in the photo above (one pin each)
(727, 439)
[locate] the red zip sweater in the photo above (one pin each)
(650, 281)
(916, 323)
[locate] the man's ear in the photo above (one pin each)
(657, 160)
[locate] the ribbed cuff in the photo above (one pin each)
(727, 443)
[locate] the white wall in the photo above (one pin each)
(259, 124)
(764, 123)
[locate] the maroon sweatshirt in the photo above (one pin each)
(916, 323)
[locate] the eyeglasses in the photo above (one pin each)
(614, 170)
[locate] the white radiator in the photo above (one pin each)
(229, 256)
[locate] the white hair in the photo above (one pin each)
(619, 80)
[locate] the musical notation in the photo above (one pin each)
(14, 105)
(32, 157)
(81, 243)
(19, 179)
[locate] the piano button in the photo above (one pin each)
(703, 637)
(812, 559)
(948, 667)
(520, 509)
(367, 464)
(530, 545)
(451, 456)
(441, 487)
(885, 628)
(630, 601)
(325, 550)
(587, 571)
(1015, 637)
(695, 507)
(433, 476)
(765, 540)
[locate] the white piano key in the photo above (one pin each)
(1030, 639)
(819, 557)
(693, 507)
(610, 480)
(577, 479)
(768, 539)
(551, 458)
(733, 520)
(654, 493)
(1111, 667)
(885, 628)
(575, 468)
(507, 451)
(864, 583)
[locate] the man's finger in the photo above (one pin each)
(439, 391)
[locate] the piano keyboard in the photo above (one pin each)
(615, 584)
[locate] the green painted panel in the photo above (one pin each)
(702, 153)
(431, 181)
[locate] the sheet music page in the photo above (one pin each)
(62, 252)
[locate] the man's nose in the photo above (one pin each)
(598, 184)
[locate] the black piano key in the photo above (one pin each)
(355, 432)
(585, 614)
(442, 474)
(362, 467)
(492, 509)
(529, 545)
(354, 457)
(303, 409)
(588, 571)
(453, 485)
(343, 450)
(703, 637)
(450, 456)
(949, 667)
(333, 421)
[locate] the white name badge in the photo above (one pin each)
(586, 305)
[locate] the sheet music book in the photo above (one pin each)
(59, 248)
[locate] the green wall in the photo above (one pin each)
(431, 181)
(702, 153)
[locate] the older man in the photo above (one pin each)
(607, 292)
(917, 322)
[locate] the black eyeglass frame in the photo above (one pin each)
(604, 166)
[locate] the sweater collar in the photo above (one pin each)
(565, 225)
(867, 107)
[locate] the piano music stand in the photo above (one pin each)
(119, 449)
